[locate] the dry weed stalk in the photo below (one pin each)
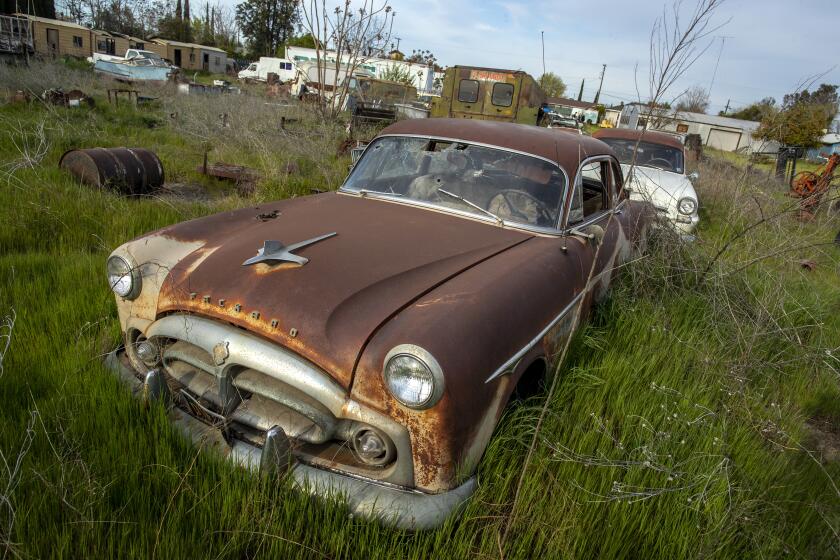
(674, 48)
(11, 464)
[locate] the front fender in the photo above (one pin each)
(473, 324)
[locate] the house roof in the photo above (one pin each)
(60, 22)
(569, 102)
(186, 45)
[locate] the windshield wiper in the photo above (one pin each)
(500, 221)
(366, 192)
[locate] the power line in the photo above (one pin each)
(723, 39)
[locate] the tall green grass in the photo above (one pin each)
(680, 426)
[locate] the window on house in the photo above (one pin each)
(105, 45)
(139, 46)
(468, 91)
(502, 94)
(218, 61)
(192, 57)
(682, 128)
(77, 41)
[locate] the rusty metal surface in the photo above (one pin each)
(384, 256)
(566, 150)
(470, 293)
(649, 136)
(474, 323)
(236, 173)
(132, 171)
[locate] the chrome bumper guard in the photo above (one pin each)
(392, 505)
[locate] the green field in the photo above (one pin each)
(697, 414)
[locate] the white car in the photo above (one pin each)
(658, 175)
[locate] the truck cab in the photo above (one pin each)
(489, 94)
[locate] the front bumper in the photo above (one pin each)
(393, 505)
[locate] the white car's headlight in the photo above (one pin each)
(413, 376)
(123, 278)
(687, 205)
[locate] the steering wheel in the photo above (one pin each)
(509, 195)
(663, 160)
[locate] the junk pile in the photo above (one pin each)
(810, 187)
(72, 98)
(128, 171)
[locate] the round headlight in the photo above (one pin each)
(123, 279)
(413, 376)
(687, 205)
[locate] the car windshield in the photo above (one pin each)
(491, 183)
(649, 154)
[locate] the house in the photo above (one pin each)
(189, 56)
(55, 37)
(581, 110)
(830, 145)
(721, 133)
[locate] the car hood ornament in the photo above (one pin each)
(274, 251)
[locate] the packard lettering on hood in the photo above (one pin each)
(374, 361)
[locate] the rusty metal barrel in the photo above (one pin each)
(130, 171)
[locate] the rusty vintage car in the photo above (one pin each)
(367, 340)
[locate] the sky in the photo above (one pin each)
(764, 47)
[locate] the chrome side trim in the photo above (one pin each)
(511, 363)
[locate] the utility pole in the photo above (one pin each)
(598, 93)
(726, 109)
(398, 42)
(542, 38)
(580, 93)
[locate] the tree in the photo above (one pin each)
(754, 111)
(267, 24)
(352, 35)
(398, 73)
(694, 100)
(424, 57)
(552, 85)
(802, 119)
(825, 96)
(304, 40)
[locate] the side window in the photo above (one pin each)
(468, 91)
(591, 194)
(502, 94)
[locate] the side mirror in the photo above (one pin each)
(693, 176)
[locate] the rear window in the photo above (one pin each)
(468, 91)
(502, 94)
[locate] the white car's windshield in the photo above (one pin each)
(491, 183)
(649, 154)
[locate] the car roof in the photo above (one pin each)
(565, 149)
(649, 136)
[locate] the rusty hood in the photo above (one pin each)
(383, 257)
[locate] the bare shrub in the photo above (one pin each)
(42, 75)
(283, 140)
